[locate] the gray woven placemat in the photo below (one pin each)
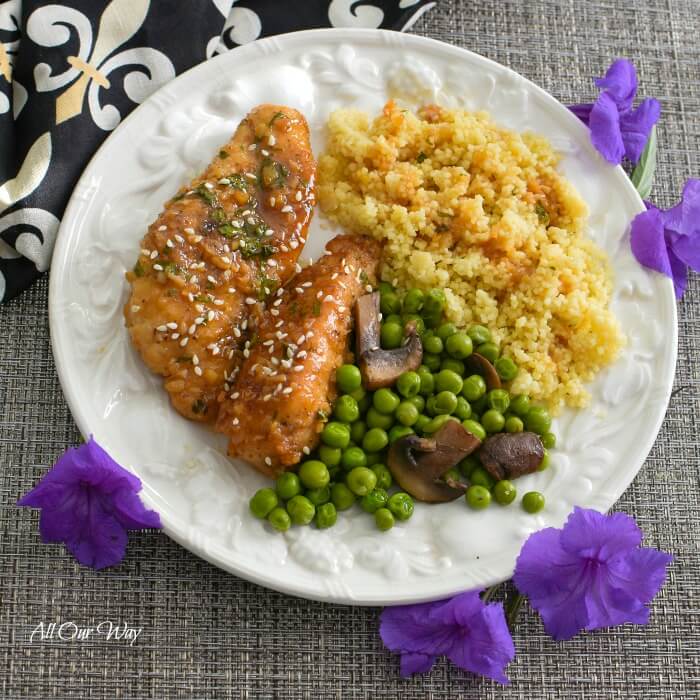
(207, 634)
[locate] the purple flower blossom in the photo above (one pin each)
(592, 573)
(474, 636)
(669, 240)
(617, 129)
(89, 502)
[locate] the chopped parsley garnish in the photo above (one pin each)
(199, 407)
(169, 266)
(542, 214)
(363, 277)
(237, 181)
(268, 286)
(272, 174)
(204, 298)
(275, 117)
(138, 269)
(206, 194)
(178, 197)
(253, 247)
(219, 215)
(317, 308)
(172, 292)
(421, 157)
(223, 154)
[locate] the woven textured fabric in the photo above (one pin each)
(207, 634)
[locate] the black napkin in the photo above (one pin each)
(71, 71)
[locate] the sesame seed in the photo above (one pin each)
(268, 461)
(274, 312)
(293, 245)
(227, 386)
(264, 152)
(288, 390)
(235, 395)
(301, 355)
(267, 397)
(190, 296)
(189, 230)
(235, 421)
(306, 450)
(237, 332)
(298, 290)
(268, 342)
(174, 336)
(251, 176)
(193, 279)
(211, 315)
(195, 359)
(158, 267)
(280, 292)
(329, 298)
(252, 146)
(219, 302)
(198, 371)
(226, 248)
(199, 307)
(272, 201)
(199, 320)
(298, 368)
(272, 140)
(287, 208)
(162, 329)
(302, 338)
(346, 269)
(231, 353)
(244, 325)
(306, 284)
(297, 268)
(192, 329)
(334, 275)
(209, 186)
(368, 288)
(172, 325)
(197, 239)
(211, 279)
(154, 255)
(341, 309)
(298, 196)
(225, 260)
(277, 302)
(246, 353)
(319, 295)
(215, 350)
(272, 263)
(169, 243)
(250, 301)
(274, 361)
(269, 232)
(231, 290)
(179, 238)
(163, 228)
(184, 342)
(309, 334)
(224, 181)
(145, 251)
(302, 239)
(280, 335)
(135, 308)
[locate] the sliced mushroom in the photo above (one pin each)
(480, 365)
(382, 367)
(510, 455)
(418, 464)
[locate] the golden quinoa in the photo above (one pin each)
(482, 212)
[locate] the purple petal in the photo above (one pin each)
(582, 111)
(604, 124)
(620, 82)
(416, 663)
(607, 606)
(413, 628)
(636, 126)
(102, 545)
(643, 571)
(131, 512)
(485, 646)
(684, 218)
(648, 241)
(588, 533)
(679, 273)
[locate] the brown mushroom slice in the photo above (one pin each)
(480, 365)
(510, 455)
(417, 464)
(379, 367)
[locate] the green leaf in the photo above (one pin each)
(643, 174)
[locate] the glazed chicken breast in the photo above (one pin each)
(275, 411)
(221, 246)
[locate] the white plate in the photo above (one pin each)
(201, 495)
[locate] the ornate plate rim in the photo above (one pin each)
(278, 44)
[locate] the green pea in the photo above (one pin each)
(385, 401)
(313, 474)
(287, 485)
(391, 335)
(430, 406)
(427, 381)
(445, 402)
(418, 402)
(399, 431)
(353, 457)
(416, 320)
(334, 472)
(514, 424)
(479, 335)
(447, 380)
(477, 497)
(481, 477)
(330, 456)
(401, 505)
(393, 318)
(262, 503)
(476, 429)
(445, 331)
(301, 510)
(384, 478)
(457, 366)
(498, 399)
(432, 362)
(374, 500)
(493, 421)
(533, 502)
(474, 387)
(432, 344)
(336, 434)
(468, 465)
(463, 410)
(413, 301)
(504, 492)
(345, 409)
(342, 496)
(434, 302)
(544, 464)
(364, 400)
(386, 288)
(459, 346)
(506, 368)
(319, 496)
(326, 516)
(489, 351)
(373, 458)
(348, 378)
(436, 423)
(361, 481)
(452, 474)
(384, 519)
(549, 440)
(376, 439)
(279, 519)
(479, 406)
(408, 384)
(357, 432)
(389, 303)
(538, 420)
(420, 425)
(520, 405)
(375, 419)
(407, 413)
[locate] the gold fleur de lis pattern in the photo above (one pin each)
(85, 64)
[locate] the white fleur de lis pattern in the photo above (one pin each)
(71, 70)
